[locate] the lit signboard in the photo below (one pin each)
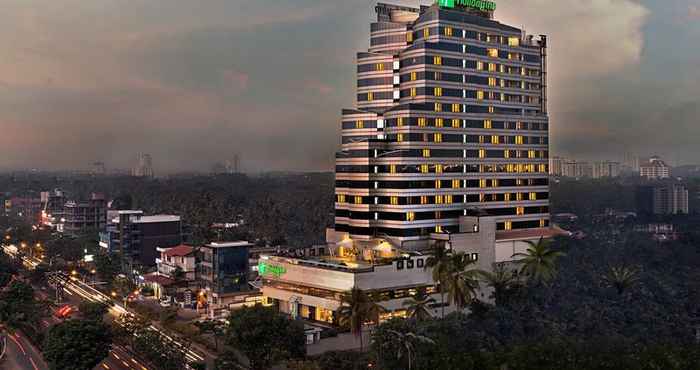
(270, 269)
(482, 5)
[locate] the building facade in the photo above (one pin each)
(223, 273)
(662, 199)
(83, 216)
(654, 169)
(451, 115)
(606, 169)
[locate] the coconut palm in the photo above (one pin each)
(417, 307)
(461, 281)
(539, 261)
(406, 344)
(354, 311)
(439, 261)
(501, 280)
(621, 278)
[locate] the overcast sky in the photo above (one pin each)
(194, 82)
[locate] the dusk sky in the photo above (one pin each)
(194, 82)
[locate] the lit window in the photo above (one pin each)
(438, 107)
(421, 122)
(358, 200)
(438, 76)
(370, 96)
(438, 185)
(414, 76)
(509, 167)
(456, 184)
(424, 168)
(379, 66)
(506, 197)
(426, 153)
(448, 199)
(410, 216)
(492, 67)
(482, 153)
(437, 91)
(439, 122)
(543, 223)
(424, 199)
(359, 124)
(482, 183)
(399, 137)
(437, 60)
(438, 228)
(437, 138)
(492, 81)
(438, 168)
(523, 71)
(456, 108)
(495, 139)
(531, 154)
(455, 123)
(508, 225)
(392, 168)
(520, 211)
(487, 123)
(409, 36)
(482, 198)
(519, 197)
(513, 41)
(399, 122)
(448, 31)
(394, 201)
(438, 199)
(480, 65)
(506, 154)
(413, 92)
(542, 168)
(533, 196)
(480, 95)
(491, 110)
(518, 139)
(426, 33)
(494, 183)
(493, 53)
(341, 198)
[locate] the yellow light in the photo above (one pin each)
(93, 271)
(74, 272)
(114, 294)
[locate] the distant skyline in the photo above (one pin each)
(193, 83)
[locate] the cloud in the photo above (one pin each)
(693, 12)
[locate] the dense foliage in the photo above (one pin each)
(287, 209)
(265, 336)
(77, 344)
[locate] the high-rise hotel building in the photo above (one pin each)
(451, 120)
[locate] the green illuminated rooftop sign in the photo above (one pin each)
(269, 269)
(482, 5)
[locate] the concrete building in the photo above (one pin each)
(137, 237)
(451, 115)
(662, 199)
(223, 273)
(577, 169)
(87, 215)
(53, 208)
(654, 169)
(165, 281)
(27, 208)
(144, 166)
(606, 169)
(556, 166)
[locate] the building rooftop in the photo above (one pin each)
(530, 233)
(157, 218)
(179, 251)
(239, 243)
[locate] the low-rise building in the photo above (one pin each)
(175, 274)
(654, 169)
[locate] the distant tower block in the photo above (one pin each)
(144, 166)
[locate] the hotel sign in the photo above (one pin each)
(270, 269)
(482, 5)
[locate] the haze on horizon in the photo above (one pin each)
(193, 83)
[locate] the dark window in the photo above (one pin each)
(399, 265)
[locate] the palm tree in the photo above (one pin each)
(539, 262)
(417, 306)
(461, 282)
(439, 261)
(354, 311)
(406, 344)
(501, 280)
(621, 278)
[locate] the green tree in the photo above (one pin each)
(77, 344)
(406, 344)
(461, 282)
(213, 327)
(107, 265)
(621, 278)
(439, 262)
(418, 306)
(538, 264)
(18, 307)
(354, 311)
(265, 336)
(503, 282)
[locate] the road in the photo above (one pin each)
(20, 354)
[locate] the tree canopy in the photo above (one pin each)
(77, 344)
